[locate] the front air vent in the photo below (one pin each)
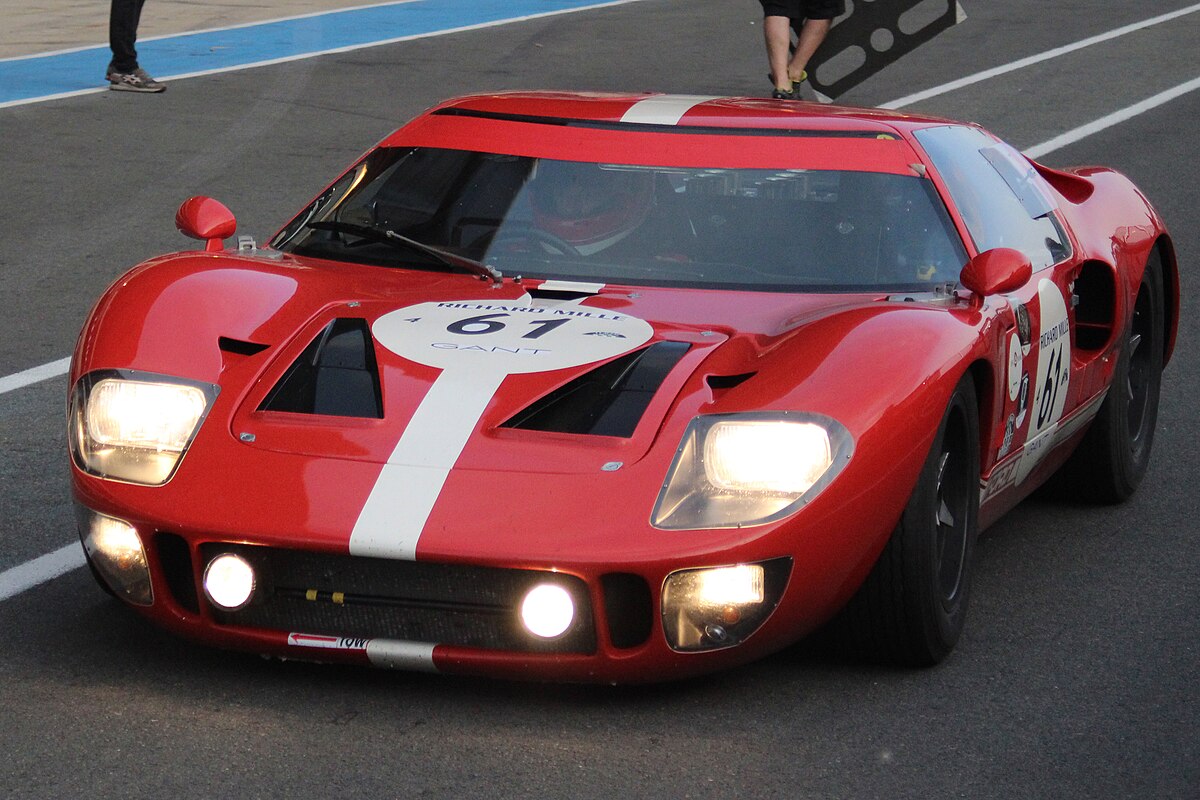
(609, 400)
(722, 382)
(336, 375)
(628, 607)
(176, 561)
(240, 347)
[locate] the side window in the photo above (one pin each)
(1001, 198)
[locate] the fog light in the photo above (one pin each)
(115, 550)
(229, 581)
(729, 586)
(709, 609)
(547, 611)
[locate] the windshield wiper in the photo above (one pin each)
(388, 236)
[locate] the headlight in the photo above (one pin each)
(133, 426)
(747, 469)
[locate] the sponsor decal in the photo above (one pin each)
(327, 642)
(1052, 377)
(1024, 327)
(1023, 400)
(388, 653)
(507, 338)
(1003, 477)
(476, 344)
(1010, 428)
(1007, 475)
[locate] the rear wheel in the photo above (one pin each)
(912, 607)
(1112, 459)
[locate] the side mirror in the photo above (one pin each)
(206, 219)
(996, 271)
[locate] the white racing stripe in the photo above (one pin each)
(393, 654)
(476, 344)
(409, 484)
(664, 109)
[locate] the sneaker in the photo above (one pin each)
(137, 81)
(794, 94)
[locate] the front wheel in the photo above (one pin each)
(912, 607)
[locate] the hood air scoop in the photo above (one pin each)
(335, 375)
(608, 400)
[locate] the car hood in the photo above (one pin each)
(405, 367)
(540, 377)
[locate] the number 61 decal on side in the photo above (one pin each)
(1051, 378)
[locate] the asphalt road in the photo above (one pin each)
(1076, 678)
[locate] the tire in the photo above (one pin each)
(912, 607)
(1111, 461)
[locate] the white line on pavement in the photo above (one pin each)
(1046, 56)
(34, 375)
(251, 24)
(304, 56)
(32, 573)
(1083, 131)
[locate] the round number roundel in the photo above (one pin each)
(508, 336)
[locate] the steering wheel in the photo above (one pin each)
(535, 236)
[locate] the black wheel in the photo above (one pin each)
(1112, 459)
(911, 609)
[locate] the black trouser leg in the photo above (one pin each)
(122, 33)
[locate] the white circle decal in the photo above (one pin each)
(1015, 362)
(508, 336)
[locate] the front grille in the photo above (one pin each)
(342, 595)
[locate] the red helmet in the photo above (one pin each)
(589, 206)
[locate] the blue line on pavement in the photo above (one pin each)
(24, 79)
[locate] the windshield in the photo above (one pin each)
(771, 230)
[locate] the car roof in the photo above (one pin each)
(671, 131)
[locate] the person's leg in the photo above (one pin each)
(811, 35)
(778, 35)
(818, 16)
(122, 33)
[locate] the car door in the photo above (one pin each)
(1001, 201)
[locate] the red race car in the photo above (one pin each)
(618, 388)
